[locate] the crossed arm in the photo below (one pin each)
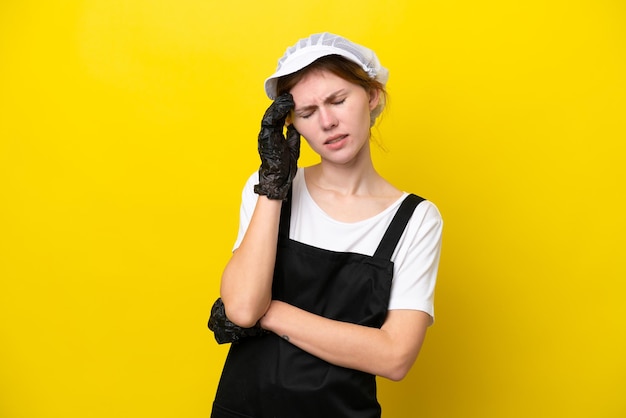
(388, 352)
(246, 291)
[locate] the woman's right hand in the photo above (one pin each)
(279, 156)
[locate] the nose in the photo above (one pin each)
(328, 120)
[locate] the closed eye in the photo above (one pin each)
(335, 99)
(305, 112)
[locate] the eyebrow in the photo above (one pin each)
(328, 99)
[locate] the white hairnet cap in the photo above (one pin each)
(319, 45)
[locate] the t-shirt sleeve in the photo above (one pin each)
(417, 261)
(248, 203)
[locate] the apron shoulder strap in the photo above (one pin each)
(390, 240)
(285, 216)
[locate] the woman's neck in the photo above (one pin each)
(356, 179)
(347, 194)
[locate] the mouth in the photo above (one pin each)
(334, 139)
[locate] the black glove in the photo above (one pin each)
(227, 332)
(279, 157)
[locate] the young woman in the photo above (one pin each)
(332, 279)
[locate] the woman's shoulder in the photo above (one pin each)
(425, 220)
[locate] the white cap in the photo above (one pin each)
(319, 45)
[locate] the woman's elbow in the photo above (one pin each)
(397, 373)
(243, 314)
(399, 365)
(242, 319)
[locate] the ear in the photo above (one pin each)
(374, 98)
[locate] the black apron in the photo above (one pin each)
(268, 377)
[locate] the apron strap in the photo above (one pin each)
(285, 216)
(390, 240)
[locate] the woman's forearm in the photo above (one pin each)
(246, 287)
(389, 351)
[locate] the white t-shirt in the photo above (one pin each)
(416, 257)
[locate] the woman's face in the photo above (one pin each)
(333, 115)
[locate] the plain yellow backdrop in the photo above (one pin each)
(127, 129)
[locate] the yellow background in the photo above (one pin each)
(127, 129)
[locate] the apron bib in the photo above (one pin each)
(268, 377)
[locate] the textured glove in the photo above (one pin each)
(279, 156)
(227, 332)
